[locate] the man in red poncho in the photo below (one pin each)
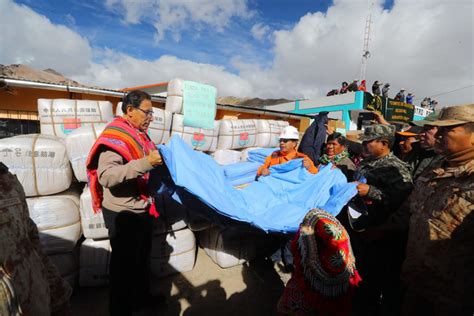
(118, 169)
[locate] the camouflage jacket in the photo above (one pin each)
(426, 158)
(390, 183)
(440, 252)
(29, 283)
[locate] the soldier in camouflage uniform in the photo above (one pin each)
(29, 283)
(438, 270)
(389, 182)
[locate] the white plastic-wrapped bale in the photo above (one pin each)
(227, 248)
(174, 99)
(235, 134)
(39, 161)
(59, 117)
(68, 266)
(198, 138)
(159, 129)
(94, 262)
(174, 252)
(268, 132)
(226, 156)
(78, 144)
(93, 225)
(58, 221)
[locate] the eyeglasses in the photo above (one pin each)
(285, 140)
(147, 113)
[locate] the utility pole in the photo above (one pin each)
(365, 49)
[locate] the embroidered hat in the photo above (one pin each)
(325, 273)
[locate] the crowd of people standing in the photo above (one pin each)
(413, 236)
(382, 90)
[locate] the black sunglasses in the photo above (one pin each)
(286, 140)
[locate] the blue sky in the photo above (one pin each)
(247, 48)
(105, 28)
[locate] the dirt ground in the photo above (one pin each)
(249, 289)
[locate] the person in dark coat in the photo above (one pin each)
(353, 87)
(385, 89)
(344, 88)
(376, 88)
(400, 95)
(315, 137)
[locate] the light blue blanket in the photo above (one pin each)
(275, 203)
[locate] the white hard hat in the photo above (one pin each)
(290, 132)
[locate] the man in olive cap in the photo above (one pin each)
(388, 183)
(439, 215)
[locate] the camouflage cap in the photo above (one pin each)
(376, 131)
(427, 120)
(455, 115)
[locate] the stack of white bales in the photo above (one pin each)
(159, 129)
(79, 122)
(95, 250)
(42, 167)
(59, 117)
(227, 247)
(198, 138)
(173, 244)
(237, 137)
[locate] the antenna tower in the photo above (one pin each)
(365, 50)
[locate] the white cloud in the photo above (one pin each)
(417, 45)
(259, 31)
(29, 38)
(119, 70)
(175, 16)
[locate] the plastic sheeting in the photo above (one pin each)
(275, 203)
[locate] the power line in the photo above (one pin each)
(447, 92)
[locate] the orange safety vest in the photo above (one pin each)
(277, 158)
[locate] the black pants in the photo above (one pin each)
(130, 238)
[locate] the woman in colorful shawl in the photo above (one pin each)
(324, 276)
(118, 169)
(337, 154)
